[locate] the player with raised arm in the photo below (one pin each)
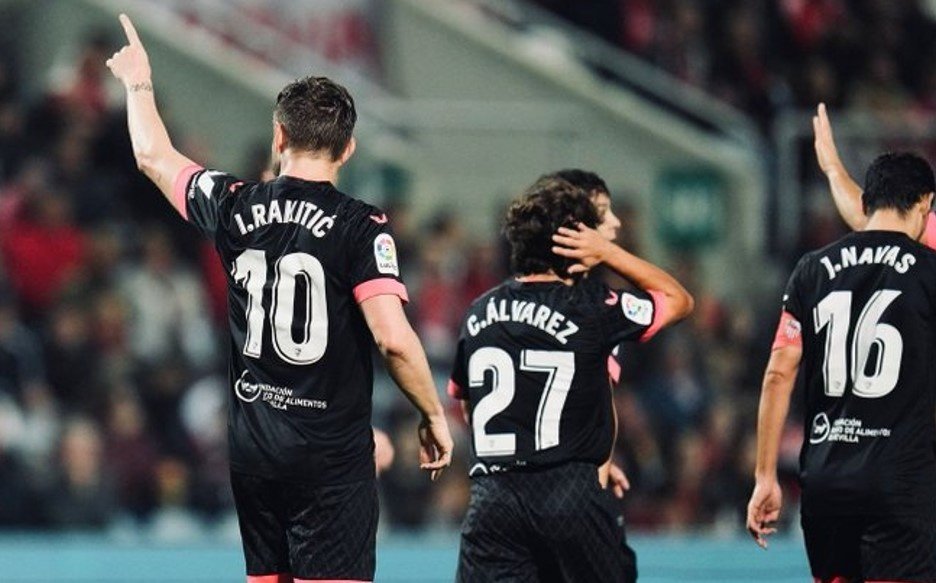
(531, 363)
(845, 191)
(859, 321)
(313, 282)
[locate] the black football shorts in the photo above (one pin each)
(871, 548)
(310, 532)
(556, 524)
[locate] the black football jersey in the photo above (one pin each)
(300, 256)
(532, 361)
(866, 309)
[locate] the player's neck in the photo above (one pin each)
(888, 220)
(308, 167)
(542, 278)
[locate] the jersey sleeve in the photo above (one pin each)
(790, 329)
(458, 382)
(375, 268)
(631, 314)
(201, 194)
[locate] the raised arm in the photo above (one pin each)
(779, 379)
(845, 192)
(589, 248)
(155, 155)
(406, 362)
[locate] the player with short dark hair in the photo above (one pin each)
(313, 282)
(531, 364)
(859, 321)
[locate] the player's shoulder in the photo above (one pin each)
(359, 218)
(355, 209)
(591, 291)
(211, 183)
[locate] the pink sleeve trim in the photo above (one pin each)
(276, 578)
(929, 234)
(614, 370)
(379, 287)
(659, 309)
(789, 332)
(178, 188)
(455, 391)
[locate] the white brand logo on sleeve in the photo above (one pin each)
(637, 310)
(207, 180)
(385, 255)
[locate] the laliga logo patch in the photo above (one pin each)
(385, 255)
(246, 391)
(820, 429)
(637, 310)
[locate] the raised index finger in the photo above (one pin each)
(131, 32)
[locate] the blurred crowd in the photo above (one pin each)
(767, 55)
(113, 387)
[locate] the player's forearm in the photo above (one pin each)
(152, 148)
(847, 196)
(771, 417)
(647, 276)
(407, 364)
(148, 133)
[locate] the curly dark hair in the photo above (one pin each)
(533, 218)
(317, 114)
(896, 180)
(584, 179)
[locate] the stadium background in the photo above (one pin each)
(112, 398)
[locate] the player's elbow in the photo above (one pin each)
(685, 304)
(145, 162)
(679, 304)
(392, 343)
(779, 381)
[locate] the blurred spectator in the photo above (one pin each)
(169, 314)
(43, 249)
(73, 362)
(81, 495)
(132, 455)
(82, 86)
(21, 361)
(19, 504)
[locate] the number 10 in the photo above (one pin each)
(250, 270)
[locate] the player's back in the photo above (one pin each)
(867, 307)
(299, 256)
(532, 361)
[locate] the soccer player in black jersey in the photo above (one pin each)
(859, 321)
(531, 364)
(610, 474)
(313, 282)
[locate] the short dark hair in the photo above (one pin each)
(317, 114)
(897, 180)
(590, 182)
(533, 218)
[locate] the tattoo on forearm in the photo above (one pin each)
(146, 86)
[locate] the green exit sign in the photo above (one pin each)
(690, 207)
